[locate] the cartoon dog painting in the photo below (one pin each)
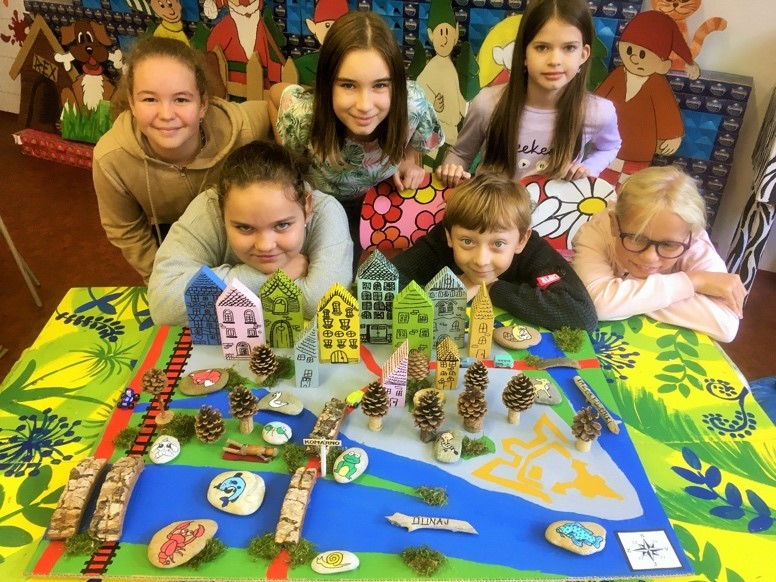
(88, 50)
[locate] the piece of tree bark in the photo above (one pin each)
(71, 506)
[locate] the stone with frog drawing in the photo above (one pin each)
(350, 465)
(236, 492)
(178, 542)
(516, 338)
(580, 537)
(164, 449)
(282, 402)
(203, 382)
(547, 391)
(276, 433)
(448, 445)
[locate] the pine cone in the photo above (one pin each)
(585, 425)
(209, 424)
(519, 393)
(263, 361)
(417, 366)
(472, 407)
(375, 400)
(428, 414)
(154, 381)
(242, 402)
(476, 376)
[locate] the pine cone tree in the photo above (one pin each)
(518, 396)
(263, 361)
(154, 381)
(417, 365)
(429, 415)
(472, 407)
(476, 376)
(586, 427)
(209, 424)
(242, 405)
(375, 405)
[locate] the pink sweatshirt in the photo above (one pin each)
(669, 297)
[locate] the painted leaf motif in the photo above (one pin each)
(684, 390)
(760, 523)
(38, 515)
(31, 488)
(689, 336)
(713, 476)
(733, 576)
(636, 324)
(732, 495)
(666, 388)
(710, 562)
(701, 492)
(687, 349)
(665, 341)
(13, 537)
(691, 476)
(669, 356)
(757, 503)
(673, 368)
(2, 495)
(695, 367)
(666, 378)
(727, 512)
(52, 497)
(695, 381)
(688, 541)
(691, 458)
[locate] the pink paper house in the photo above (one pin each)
(395, 375)
(240, 321)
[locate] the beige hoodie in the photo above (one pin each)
(135, 190)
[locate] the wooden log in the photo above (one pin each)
(413, 522)
(328, 424)
(70, 508)
(108, 520)
(294, 508)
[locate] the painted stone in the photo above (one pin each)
(276, 433)
(334, 561)
(546, 391)
(350, 464)
(448, 445)
(164, 449)
(517, 338)
(178, 542)
(282, 402)
(419, 394)
(580, 537)
(203, 382)
(236, 492)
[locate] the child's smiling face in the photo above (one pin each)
(484, 256)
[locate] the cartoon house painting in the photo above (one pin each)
(338, 324)
(394, 375)
(240, 320)
(448, 295)
(481, 325)
(281, 301)
(377, 285)
(448, 364)
(306, 357)
(200, 296)
(413, 319)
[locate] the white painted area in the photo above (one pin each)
(10, 89)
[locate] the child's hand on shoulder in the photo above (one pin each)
(296, 268)
(726, 287)
(451, 174)
(577, 171)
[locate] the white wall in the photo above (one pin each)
(746, 47)
(9, 89)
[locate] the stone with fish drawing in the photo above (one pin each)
(178, 542)
(203, 382)
(236, 492)
(350, 465)
(282, 402)
(448, 445)
(334, 561)
(580, 537)
(547, 391)
(276, 433)
(516, 338)
(164, 449)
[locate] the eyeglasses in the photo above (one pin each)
(667, 249)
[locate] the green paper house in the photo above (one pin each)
(281, 301)
(413, 319)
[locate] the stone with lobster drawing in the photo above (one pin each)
(178, 542)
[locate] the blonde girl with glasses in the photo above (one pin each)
(651, 255)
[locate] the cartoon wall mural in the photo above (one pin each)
(324, 15)
(495, 57)
(171, 25)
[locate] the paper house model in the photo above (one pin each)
(448, 295)
(240, 321)
(481, 325)
(281, 302)
(395, 375)
(306, 357)
(413, 319)
(200, 296)
(377, 283)
(338, 326)
(448, 364)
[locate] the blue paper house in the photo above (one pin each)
(200, 296)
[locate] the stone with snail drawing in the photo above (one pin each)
(164, 449)
(579, 537)
(282, 402)
(203, 381)
(236, 492)
(448, 445)
(334, 561)
(546, 391)
(350, 465)
(516, 337)
(178, 542)
(276, 433)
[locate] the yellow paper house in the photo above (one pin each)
(338, 326)
(448, 364)
(481, 325)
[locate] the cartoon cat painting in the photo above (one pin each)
(680, 11)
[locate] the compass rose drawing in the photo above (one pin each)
(648, 550)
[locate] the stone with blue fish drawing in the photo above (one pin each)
(276, 433)
(350, 465)
(581, 537)
(334, 561)
(236, 492)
